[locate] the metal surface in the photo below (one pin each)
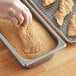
(48, 13)
(28, 63)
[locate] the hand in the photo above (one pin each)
(15, 11)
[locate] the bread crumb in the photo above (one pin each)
(37, 40)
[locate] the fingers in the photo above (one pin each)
(27, 16)
(30, 17)
(16, 14)
(12, 19)
(22, 15)
(20, 18)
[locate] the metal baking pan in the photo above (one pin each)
(48, 13)
(28, 63)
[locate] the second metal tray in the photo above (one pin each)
(48, 13)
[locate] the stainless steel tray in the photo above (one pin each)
(48, 13)
(28, 63)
